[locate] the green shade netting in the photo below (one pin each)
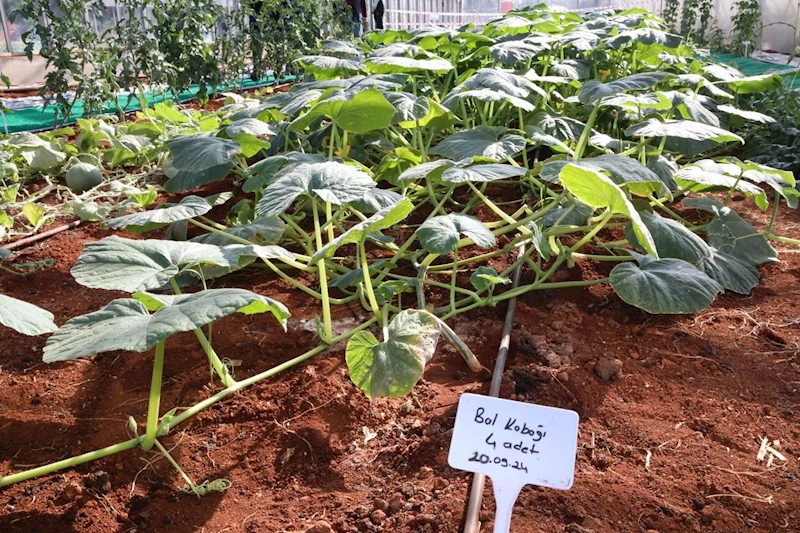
(38, 119)
(754, 67)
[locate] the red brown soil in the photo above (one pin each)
(696, 395)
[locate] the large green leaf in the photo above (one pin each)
(594, 90)
(754, 116)
(189, 207)
(24, 317)
(267, 170)
(376, 199)
(756, 84)
(487, 95)
(461, 173)
(707, 174)
(645, 36)
(502, 81)
(515, 52)
(383, 219)
(330, 182)
(129, 265)
(126, 324)
(366, 111)
(197, 160)
(672, 239)
(440, 235)
(664, 286)
(250, 126)
(392, 368)
(731, 273)
(682, 129)
(624, 171)
(418, 172)
(595, 189)
(39, 153)
(483, 141)
(264, 230)
(732, 235)
(396, 64)
(328, 67)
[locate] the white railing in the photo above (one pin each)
(409, 14)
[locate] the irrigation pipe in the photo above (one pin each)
(472, 522)
(40, 236)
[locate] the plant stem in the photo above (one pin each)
(155, 398)
(323, 279)
(68, 463)
(234, 238)
(132, 443)
(373, 302)
(774, 216)
(454, 279)
(329, 221)
(584, 139)
(385, 322)
(213, 358)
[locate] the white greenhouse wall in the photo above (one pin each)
(779, 13)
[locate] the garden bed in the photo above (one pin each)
(394, 194)
(695, 394)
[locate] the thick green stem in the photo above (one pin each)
(329, 221)
(454, 279)
(323, 279)
(245, 242)
(584, 139)
(589, 236)
(213, 358)
(185, 415)
(373, 302)
(155, 398)
(69, 463)
(774, 217)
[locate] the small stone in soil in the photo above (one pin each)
(98, 481)
(69, 494)
(608, 368)
(320, 527)
(424, 519)
(397, 502)
(440, 483)
(563, 377)
(380, 505)
(377, 517)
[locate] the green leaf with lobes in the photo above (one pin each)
(672, 239)
(624, 171)
(595, 90)
(392, 368)
(25, 317)
(663, 286)
(731, 234)
(130, 265)
(383, 219)
(126, 324)
(483, 141)
(440, 235)
(366, 111)
(332, 182)
(597, 190)
(197, 160)
(189, 207)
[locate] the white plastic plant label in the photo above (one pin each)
(515, 444)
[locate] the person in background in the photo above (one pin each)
(377, 13)
(359, 8)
